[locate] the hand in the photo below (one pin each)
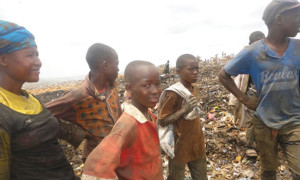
(251, 102)
(191, 102)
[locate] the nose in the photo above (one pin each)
(195, 71)
(154, 89)
(38, 62)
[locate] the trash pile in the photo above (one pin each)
(225, 143)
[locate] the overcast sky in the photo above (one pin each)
(153, 30)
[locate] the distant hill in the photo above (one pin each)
(43, 82)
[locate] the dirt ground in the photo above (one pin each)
(225, 143)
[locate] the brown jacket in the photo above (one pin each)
(189, 138)
(96, 113)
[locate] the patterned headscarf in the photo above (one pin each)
(14, 37)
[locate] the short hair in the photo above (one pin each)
(181, 60)
(131, 67)
(255, 36)
(99, 52)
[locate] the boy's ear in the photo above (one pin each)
(105, 64)
(278, 19)
(3, 60)
(128, 87)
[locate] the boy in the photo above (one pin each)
(274, 65)
(131, 150)
(94, 106)
(242, 113)
(189, 139)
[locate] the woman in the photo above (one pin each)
(28, 132)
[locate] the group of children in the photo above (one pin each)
(118, 146)
(126, 145)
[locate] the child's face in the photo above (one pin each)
(145, 89)
(190, 71)
(22, 65)
(112, 70)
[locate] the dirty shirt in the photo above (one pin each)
(28, 140)
(94, 111)
(276, 80)
(189, 138)
(130, 151)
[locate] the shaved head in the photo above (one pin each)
(181, 61)
(130, 70)
(255, 36)
(99, 52)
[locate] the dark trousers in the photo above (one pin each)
(289, 140)
(197, 168)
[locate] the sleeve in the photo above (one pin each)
(240, 64)
(5, 155)
(105, 158)
(71, 133)
(168, 105)
(62, 108)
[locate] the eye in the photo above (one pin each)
(147, 85)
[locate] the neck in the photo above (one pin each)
(141, 108)
(186, 84)
(10, 84)
(276, 38)
(97, 80)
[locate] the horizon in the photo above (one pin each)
(154, 31)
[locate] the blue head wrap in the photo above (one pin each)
(14, 37)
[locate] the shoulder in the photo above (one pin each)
(125, 124)
(296, 42)
(171, 94)
(125, 129)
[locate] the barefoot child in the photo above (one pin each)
(131, 150)
(174, 109)
(94, 106)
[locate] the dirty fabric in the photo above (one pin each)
(95, 112)
(14, 37)
(25, 103)
(130, 151)
(276, 80)
(189, 138)
(289, 139)
(197, 168)
(34, 150)
(166, 136)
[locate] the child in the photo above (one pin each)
(189, 139)
(29, 148)
(94, 106)
(131, 150)
(273, 64)
(242, 113)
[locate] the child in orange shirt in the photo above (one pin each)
(131, 150)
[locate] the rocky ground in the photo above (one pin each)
(225, 143)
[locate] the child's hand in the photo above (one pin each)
(191, 102)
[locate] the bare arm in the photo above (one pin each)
(226, 80)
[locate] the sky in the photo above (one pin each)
(153, 30)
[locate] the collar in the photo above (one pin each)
(94, 91)
(269, 52)
(134, 112)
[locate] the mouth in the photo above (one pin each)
(36, 70)
(154, 99)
